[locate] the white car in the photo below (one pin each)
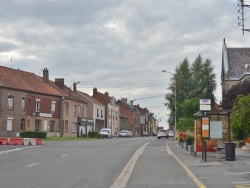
(162, 133)
(170, 133)
(106, 132)
(124, 133)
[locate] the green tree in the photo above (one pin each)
(195, 81)
(185, 124)
(190, 106)
(203, 79)
(240, 121)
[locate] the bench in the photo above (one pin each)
(219, 151)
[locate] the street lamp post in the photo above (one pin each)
(175, 108)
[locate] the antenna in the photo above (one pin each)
(40, 72)
(241, 23)
(10, 61)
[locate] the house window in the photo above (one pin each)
(9, 124)
(28, 102)
(97, 112)
(51, 127)
(22, 124)
(66, 126)
(73, 127)
(53, 107)
(80, 109)
(66, 108)
(10, 102)
(101, 114)
(38, 105)
(37, 124)
(23, 103)
(74, 109)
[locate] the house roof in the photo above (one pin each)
(91, 98)
(237, 62)
(25, 81)
(103, 98)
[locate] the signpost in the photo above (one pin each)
(205, 105)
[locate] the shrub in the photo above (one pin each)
(99, 135)
(94, 134)
(33, 134)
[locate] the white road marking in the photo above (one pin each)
(168, 149)
(64, 155)
(17, 149)
(31, 164)
(237, 173)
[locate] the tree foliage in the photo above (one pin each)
(241, 88)
(240, 121)
(190, 106)
(191, 81)
(185, 124)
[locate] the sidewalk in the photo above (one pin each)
(216, 172)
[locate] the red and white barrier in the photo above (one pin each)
(20, 141)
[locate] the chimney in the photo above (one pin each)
(46, 75)
(106, 93)
(131, 103)
(124, 100)
(59, 82)
(74, 87)
(94, 90)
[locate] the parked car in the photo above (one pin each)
(162, 133)
(144, 133)
(170, 133)
(106, 132)
(124, 133)
(154, 134)
(130, 133)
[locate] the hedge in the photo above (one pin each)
(33, 134)
(94, 134)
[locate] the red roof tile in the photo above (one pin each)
(26, 81)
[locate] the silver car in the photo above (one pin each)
(162, 133)
(124, 133)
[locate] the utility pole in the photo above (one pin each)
(242, 5)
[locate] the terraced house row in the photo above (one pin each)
(29, 102)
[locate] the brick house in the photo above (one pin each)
(74, 121)
(112, 112)
(235, 66)
(95, 110)
(28, 103)
(127, 116)
(143, 118)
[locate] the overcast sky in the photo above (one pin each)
(118, 46)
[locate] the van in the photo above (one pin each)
(106, 132)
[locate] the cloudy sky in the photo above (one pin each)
(118, 46)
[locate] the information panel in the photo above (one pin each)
(205, 127)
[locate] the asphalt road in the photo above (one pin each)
(71, 164)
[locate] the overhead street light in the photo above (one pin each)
(175, 108)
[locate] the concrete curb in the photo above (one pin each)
(122, 179)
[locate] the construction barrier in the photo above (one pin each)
(20, 141)
(38, 141)
(4, 141)
(16, 141)
(26, 141)
(32, 141)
